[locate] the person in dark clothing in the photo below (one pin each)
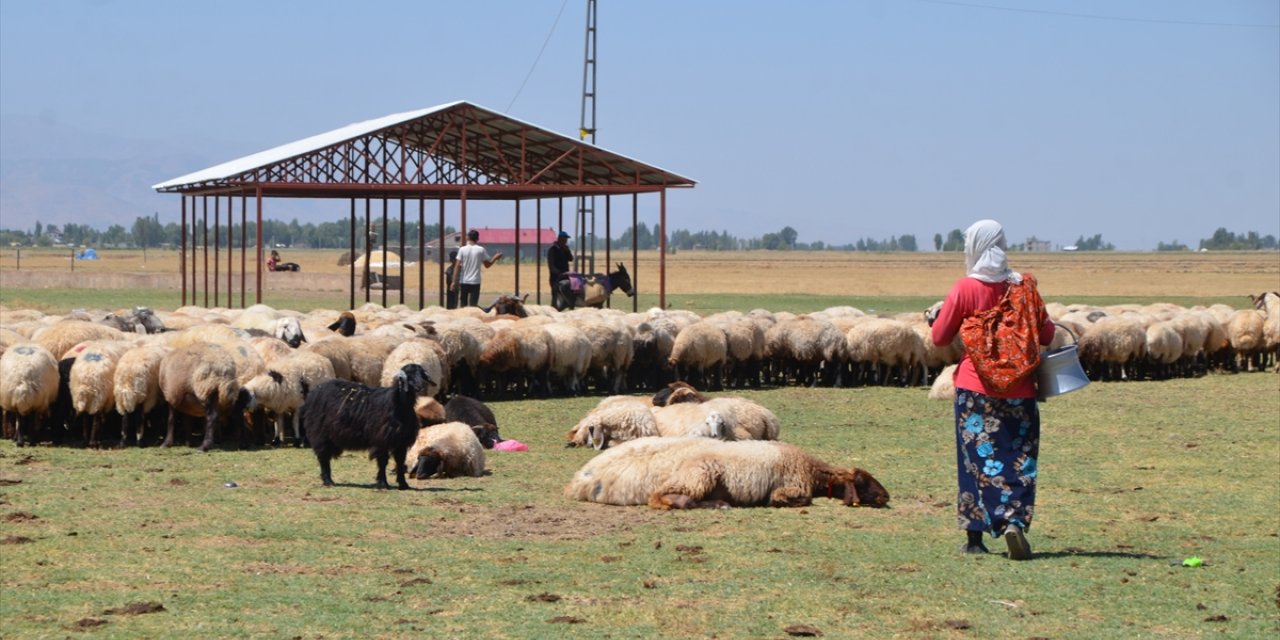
(451, 294)
(559, 257)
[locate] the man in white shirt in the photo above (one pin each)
(467, 275)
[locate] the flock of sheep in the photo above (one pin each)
(83, 375)
(372, 378)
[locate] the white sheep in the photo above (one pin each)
(811, 351)
(700, 349)
(92, 383)
(1244, 333)
(1110, 345)
(61, 336)
(1269, 304)
(879, 346)
(611, 348)
(679, 473)
(613, 420)
(746, 419)
(570, 355)
(199, 380)
(282, 389)
(428, 354)
(944, 385)
(137, 388)
(28, 386)
(691, 419)
(1164, 348)
(445, 450)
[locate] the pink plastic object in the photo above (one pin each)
(510, 445)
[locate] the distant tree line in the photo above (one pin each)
(150, 232)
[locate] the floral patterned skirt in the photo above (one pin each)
(997, 444)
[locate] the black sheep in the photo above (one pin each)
(472, 412)
(340, 415)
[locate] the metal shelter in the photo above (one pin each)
(457, 151)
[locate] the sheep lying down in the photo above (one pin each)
(683, 473)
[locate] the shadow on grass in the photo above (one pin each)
(1078, 553)
(374, 487)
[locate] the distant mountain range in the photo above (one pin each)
(57, 174)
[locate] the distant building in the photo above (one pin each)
(1035, 244)
(504, 240)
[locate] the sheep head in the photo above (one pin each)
(428, 464)
(854, 487)
(412, 379)
(487, 434)
(290, 331)
(715, 425)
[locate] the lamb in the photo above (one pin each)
(446, 450)
(700, 347)
(199, 380)
(682, 473)
(613, 420)
(340, 415)
(28, 386)
(137, 388)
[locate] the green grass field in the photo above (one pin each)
(1136, 477)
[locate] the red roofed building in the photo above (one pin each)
(504, 240)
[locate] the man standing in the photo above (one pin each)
(558, 260)
(467, 275)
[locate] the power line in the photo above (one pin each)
(538, 57)
(1091, 16)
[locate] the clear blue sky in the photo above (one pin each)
(1142, 120)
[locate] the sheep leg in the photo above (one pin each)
(399, 455)
(95, 424)
(210, 423)
(789, 497)
(323, 456)
(23, 421)
(382, 456)
(168, 437)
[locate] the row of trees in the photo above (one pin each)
(150, 232)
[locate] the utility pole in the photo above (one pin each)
(587, 131)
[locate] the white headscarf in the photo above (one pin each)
(984, 257)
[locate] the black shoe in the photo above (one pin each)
(1019, 548)
(974, 549)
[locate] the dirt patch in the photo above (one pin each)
(16, 540)
(576, 522)
(134, 609)
(21, 516)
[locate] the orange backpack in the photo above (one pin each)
(1004, 341)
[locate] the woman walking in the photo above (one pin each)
(997, 433)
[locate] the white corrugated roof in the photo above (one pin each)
(298, 147)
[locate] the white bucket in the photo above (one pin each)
(1060, 371)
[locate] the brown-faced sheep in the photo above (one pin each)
(446, 450)
(340, 415)
(681, 473)
(28, 386)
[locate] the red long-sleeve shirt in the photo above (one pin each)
(967, 297)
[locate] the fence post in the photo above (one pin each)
(73, 259)
(18, 266)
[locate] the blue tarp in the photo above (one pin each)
(88, 254)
